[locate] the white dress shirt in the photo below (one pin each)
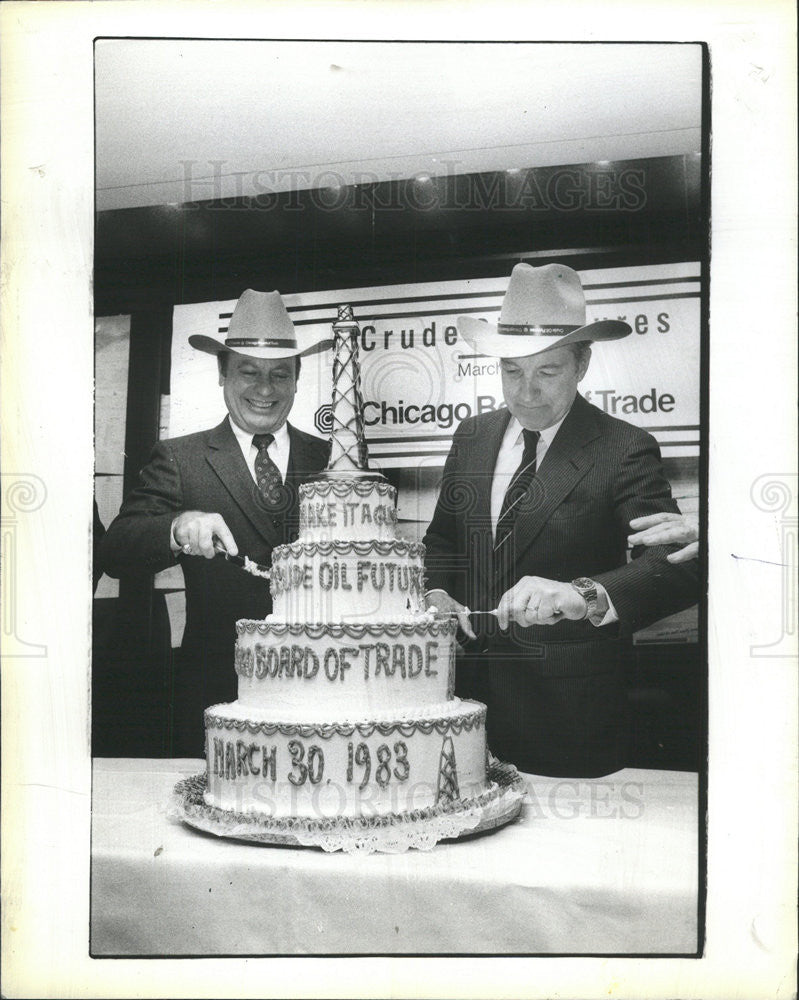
(278, 450)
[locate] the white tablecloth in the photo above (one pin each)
(591, 867)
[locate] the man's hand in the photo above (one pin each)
(194, 532)
(446, 605)
(667, 529)
(536, 601)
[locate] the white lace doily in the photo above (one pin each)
(394, 833)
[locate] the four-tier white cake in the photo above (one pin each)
(346, 732)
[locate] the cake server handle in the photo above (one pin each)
(243, 562)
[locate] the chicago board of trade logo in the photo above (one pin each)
(323, 419)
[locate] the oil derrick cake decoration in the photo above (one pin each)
(448, 790)
(348, 451)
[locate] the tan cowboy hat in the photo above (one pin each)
(544, 307)
(261, 328)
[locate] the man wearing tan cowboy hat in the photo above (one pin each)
(231, 488)
(532, 522)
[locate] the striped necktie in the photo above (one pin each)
(267, 474)
(517, 489)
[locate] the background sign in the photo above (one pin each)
(420, 379)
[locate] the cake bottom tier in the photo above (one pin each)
(259, 764)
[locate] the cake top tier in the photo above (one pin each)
(348, 509)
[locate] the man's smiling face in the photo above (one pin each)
(258, 392)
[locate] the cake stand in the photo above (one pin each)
(390, 833)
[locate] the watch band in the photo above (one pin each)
(586, 588)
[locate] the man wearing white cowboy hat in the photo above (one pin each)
(234, 488)
(532, 522)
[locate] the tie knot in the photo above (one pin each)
(262, 441)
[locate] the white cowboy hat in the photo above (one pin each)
(261, 328)
(544, 307)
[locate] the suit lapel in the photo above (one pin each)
(564, 465)
(225, 458)
(486, 450)
(481, 463)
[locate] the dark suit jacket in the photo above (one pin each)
(555, 693)
(206, 471)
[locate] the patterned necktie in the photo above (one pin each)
(267, 474)
(517, 489)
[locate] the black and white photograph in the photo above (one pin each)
(398, 462)
(407, 623)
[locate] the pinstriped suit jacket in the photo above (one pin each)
(598, 474)
(206, 471)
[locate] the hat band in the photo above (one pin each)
(528, 330)
(259, 342)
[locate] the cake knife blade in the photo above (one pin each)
(243, 562)
(495, 612)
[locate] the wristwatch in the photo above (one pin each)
(586, 588)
